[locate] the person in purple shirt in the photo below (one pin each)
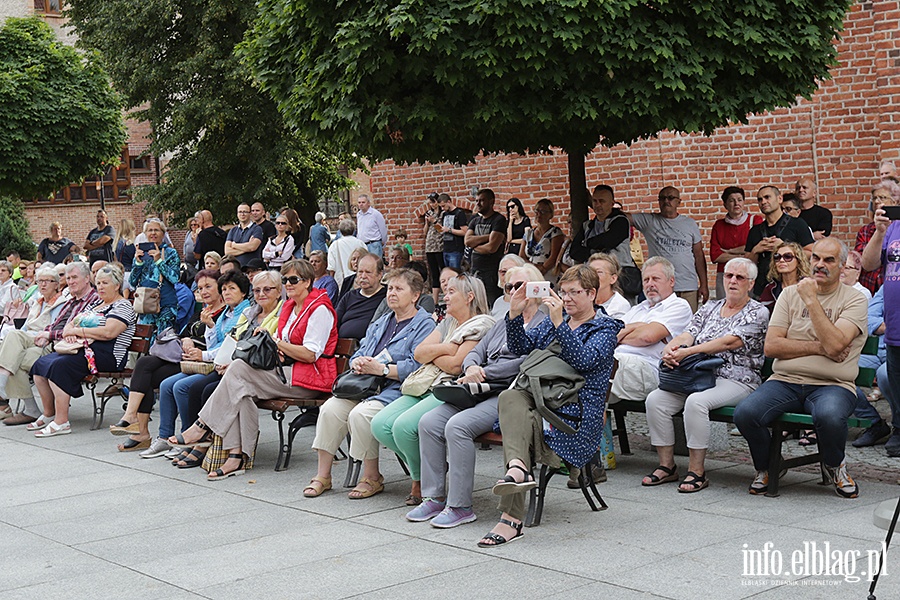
(883, 252)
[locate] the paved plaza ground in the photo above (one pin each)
(81, 520)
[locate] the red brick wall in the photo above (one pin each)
(840, 136)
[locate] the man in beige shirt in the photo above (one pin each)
(816, 334)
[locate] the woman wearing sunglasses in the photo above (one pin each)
(280, 248)
(789, 265)
(733, 328)
(306, 338)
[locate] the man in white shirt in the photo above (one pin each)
(340, 250)
(649, 326)
(370, 226)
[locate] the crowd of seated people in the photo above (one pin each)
(786, 290)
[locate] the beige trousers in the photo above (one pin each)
(17, 355)
(337, 417)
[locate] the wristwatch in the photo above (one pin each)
(387, 370)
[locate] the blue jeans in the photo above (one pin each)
(864, 408)
(829, 405)
(888, 376)
(376, 248)
(452, 259)
(174, 400)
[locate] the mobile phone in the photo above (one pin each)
(892, 212)
(146, 246)
(537, 289)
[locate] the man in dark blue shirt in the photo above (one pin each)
(245, 240)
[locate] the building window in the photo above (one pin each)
(116, 186)
(48, 7)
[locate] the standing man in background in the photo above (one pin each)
(370, 226)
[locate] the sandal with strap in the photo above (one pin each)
(317, 487)
(809, 438)
(508, 485)
(189, 463)
(219, 474)
(205, 440)
(671, 475)
(696, 483)
(495, 539)
(181, 456)
(39, 423)
(372, 487)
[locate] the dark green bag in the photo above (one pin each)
(553, 383)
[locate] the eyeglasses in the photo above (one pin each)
(281, 222)
(293, 280)
(571, 294)
(263, 290)
(511, 287)
(40, 281)
(735, 276)
(786, 257)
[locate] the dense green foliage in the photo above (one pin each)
(59, 118)
(445, 79)
(174, 61)
(14, 229)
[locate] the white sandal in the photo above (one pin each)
(40, 423)
(52, 429)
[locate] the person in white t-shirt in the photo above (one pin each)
(649, 326)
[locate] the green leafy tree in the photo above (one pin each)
(14, 229)
(445, 79)
(175, 62)
(59, 117)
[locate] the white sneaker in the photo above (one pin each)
(159, 447)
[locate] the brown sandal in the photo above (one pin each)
(317, 487)
(366, 488)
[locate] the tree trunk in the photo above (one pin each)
(578, 193)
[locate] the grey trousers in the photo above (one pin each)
(447, 436)
(231, 411)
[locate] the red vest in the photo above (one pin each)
(318, 375)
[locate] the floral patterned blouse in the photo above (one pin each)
(743, 364)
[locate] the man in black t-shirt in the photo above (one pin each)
(775, 230)
(55, 248)
(816, 216)
(453, 226)
(99, 240)
(487, 237)
(211, 238)
(259, 216)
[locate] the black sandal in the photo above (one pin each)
(184, 454)
(696, 483)
(809, 438)
(189, 463)
(220, 474)
(205, 440)
(508, 485)
(496, 539)
(671, 475)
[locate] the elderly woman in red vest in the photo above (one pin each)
(307, 337)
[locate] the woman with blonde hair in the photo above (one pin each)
(441, 355)
(190, 240)
(212, 260)
(789, 265)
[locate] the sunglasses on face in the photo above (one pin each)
(735, 276)
(786, 257)
(511, 287)
(281, 222)
(293, 280)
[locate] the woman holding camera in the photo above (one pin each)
(157, 265)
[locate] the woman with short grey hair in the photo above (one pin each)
(733, 328)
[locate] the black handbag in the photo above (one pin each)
(355, 387)
(695, 373)
(467, 395)
(260, 352)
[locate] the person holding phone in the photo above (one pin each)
(157, 265)
(882, 253)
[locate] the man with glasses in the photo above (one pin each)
(245, 240)
(676, 238)
(775, 230)
(816, 334)
(649, 326)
